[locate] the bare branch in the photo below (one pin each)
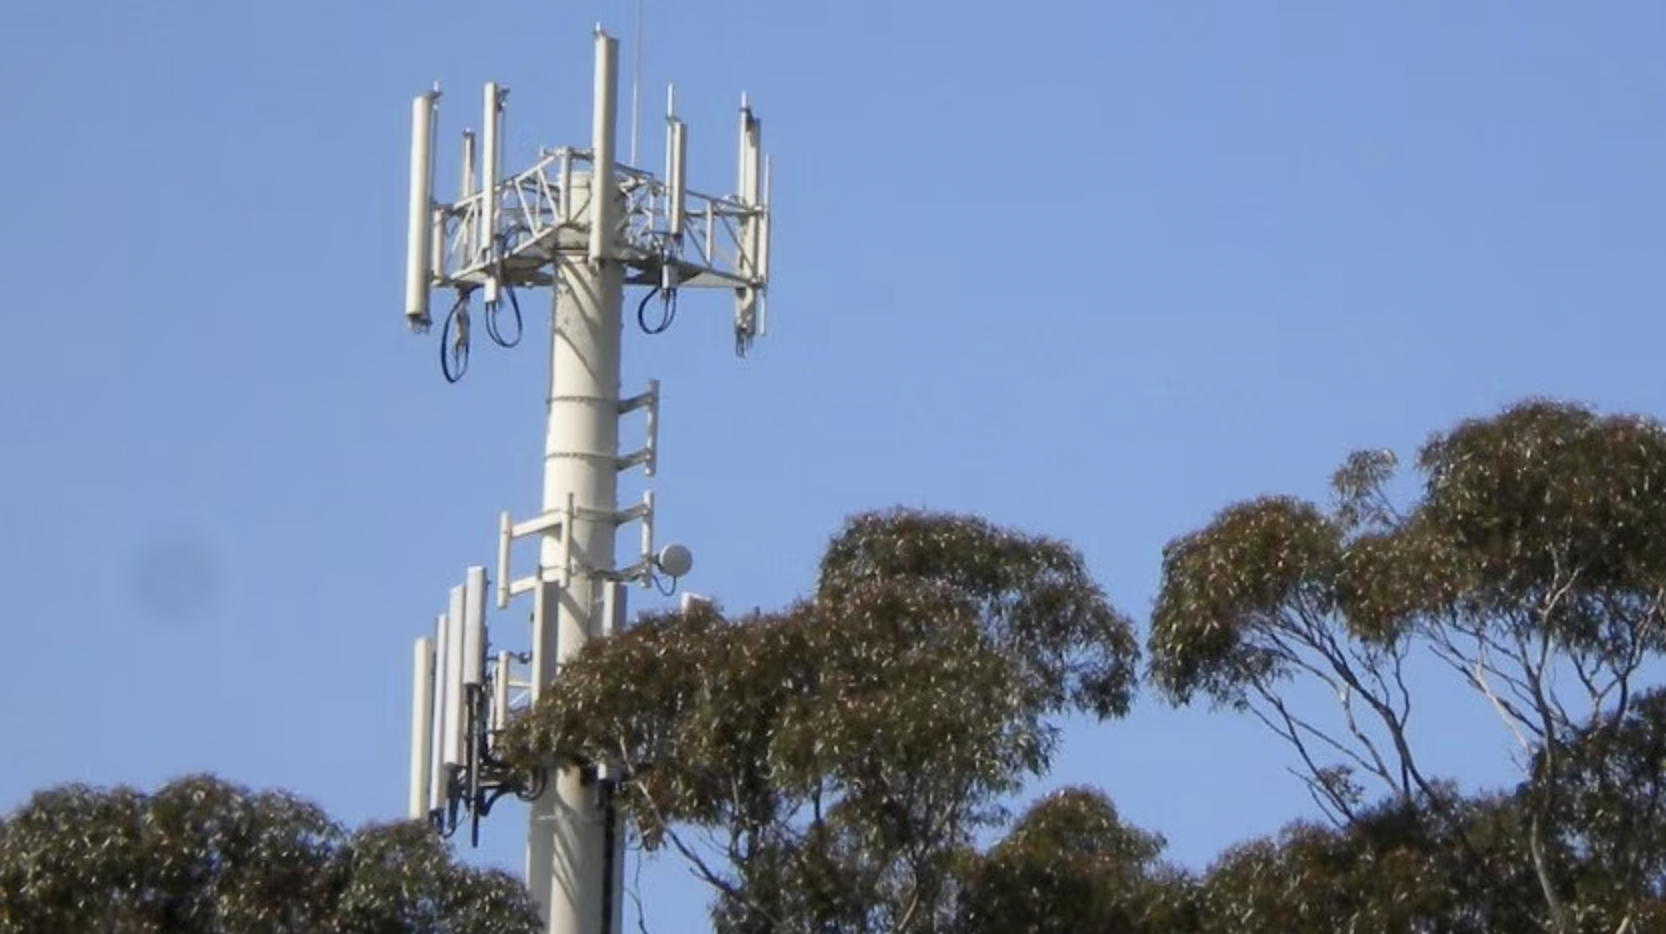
(1345, 698)
(1475, 670)
(1324, 797)
(635, 892)
(698, 866)
(1506, 713)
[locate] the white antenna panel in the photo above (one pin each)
(676, 165)
(453, 711)
(613, 607)
(422, 727)
(436, 736)
(466, 222)
(763, 249)
(419, 246)
(500, 691)
(603, 129)
(749, 172)
(491, 164)
(474, 627)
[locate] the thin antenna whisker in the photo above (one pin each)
(636, 83)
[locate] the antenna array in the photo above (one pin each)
(587, 227)
(461, 702)
(502, 232)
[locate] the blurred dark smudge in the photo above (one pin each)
(177, 580)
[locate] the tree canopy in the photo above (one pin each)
(1532, 567)
(204, 856)
(839, 753)
(846, 764)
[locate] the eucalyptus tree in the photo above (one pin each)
(1532, 566)
(1397, 868)
(1071, 865)
(205, 856)
(824, 767)
(1610, 781)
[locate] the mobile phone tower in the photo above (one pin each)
(587, 227)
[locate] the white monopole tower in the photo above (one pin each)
(586, 227)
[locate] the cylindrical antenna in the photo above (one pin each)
(454, 722)
(437, 775)
(500, 692)
(564, 184)
(420, 229)
(751, 143)
(651, 465)
(676, 165)
(603, 128)
(749, 181)
(422, 726)
(503, 540)
(491, 127)
(763, 249)
(763, 222)
(465, 190)
(613, 607)
(647, 525)
(474, 626)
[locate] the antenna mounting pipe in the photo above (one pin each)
(491, 160)
(603, 128)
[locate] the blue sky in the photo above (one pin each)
(1094, 269)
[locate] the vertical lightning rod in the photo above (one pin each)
(574, 860)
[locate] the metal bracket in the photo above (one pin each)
(648, 456)
(642, 512)
(549, 523)
(557, 523)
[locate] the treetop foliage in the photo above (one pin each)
(837, 765)
(1532, 567)
(205, 856)
(846, 746)
(1032, 595)
(1547, 515)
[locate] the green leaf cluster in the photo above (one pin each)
(840, 752)
(204, 856)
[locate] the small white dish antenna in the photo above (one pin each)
(675, 560)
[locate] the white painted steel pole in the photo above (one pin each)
(573, 873)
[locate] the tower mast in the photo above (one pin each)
(585, 226)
